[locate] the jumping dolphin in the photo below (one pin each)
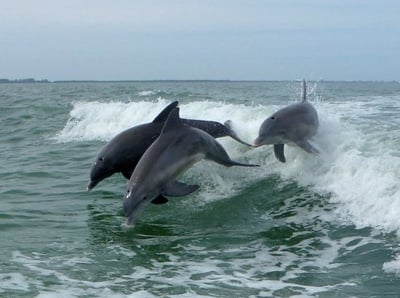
(178, 147)
(294, 124)
(123, 152)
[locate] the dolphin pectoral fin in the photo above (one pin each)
(306, 146)
(178, 189)
(162, 117)
(160, 200)
(233, 134)
(279, 152)
(174, 189)
(127, 174)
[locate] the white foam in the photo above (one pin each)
(77, 261)
(119, 250)
(392, 266)
(67, 287)
(360, 173)
(191, 267)
(13, 281)
(146, 93)
(359, 166)
(102, 120)
(242, 273)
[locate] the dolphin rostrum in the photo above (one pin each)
(178, 147)
(123, 152)
(294, 124)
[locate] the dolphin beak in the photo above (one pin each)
(133, 208)
(130, 220)
(92, 183)
(257, 142)
(133, 215)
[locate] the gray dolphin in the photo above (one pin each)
(123, 152)
(294, 124)
(178, 147)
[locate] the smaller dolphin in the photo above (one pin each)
(178, 147)
(294, 124)
(123, 152)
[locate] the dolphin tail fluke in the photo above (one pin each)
(304, 91)
(215, 129)
(236, 163)
(218, 154)
(232, 133)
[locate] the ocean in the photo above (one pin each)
(325, 225)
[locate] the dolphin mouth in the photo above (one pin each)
(91, 185)
(133, 215)
(130, 220)
(133, 210)
(257, 143)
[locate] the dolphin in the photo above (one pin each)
(294, 124)
(123, 152)
(178, 147)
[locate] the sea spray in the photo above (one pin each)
(363, 183)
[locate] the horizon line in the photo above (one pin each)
(32, 80)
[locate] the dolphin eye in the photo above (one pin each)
(128, 193)
(272, 118)
(101, 158)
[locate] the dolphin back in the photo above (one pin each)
(163, 115)
(173, 121)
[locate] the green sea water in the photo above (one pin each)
(316, 226)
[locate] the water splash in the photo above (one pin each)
(359, 172)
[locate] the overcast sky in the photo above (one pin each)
(185, 39)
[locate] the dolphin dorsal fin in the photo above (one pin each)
(304, 91)
(173, 121)
(162, 117)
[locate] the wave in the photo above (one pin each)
(198, 269)
(358, 167)
(392, 266)
(146, 93)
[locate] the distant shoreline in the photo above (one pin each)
(19, 81)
